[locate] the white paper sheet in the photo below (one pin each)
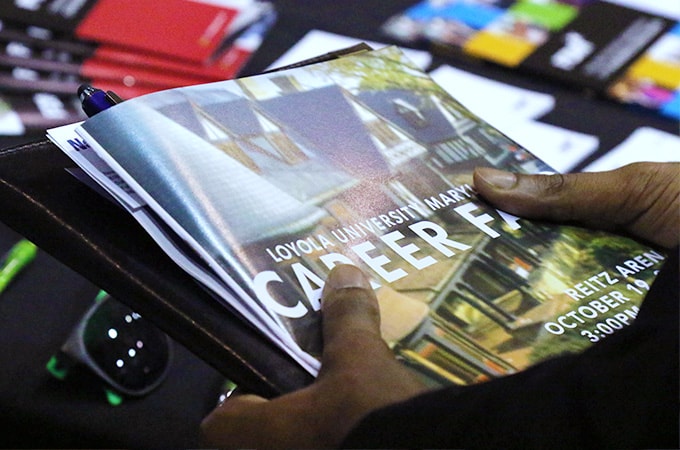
(512, 110)
(644, 144)
(666, 8)
(489, 98)
(317, 42)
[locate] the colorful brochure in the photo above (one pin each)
(619, 52)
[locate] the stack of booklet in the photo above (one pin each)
(258, 186)
(49, 48)
(625, 50)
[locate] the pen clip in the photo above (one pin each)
(113, 98)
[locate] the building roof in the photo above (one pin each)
(434, 126)
(311, 180)
(216, 199)
(228, 109)
(326, 120)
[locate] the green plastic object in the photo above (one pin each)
(101, 295)
(59, 372)
(113, 398)
(19, 256)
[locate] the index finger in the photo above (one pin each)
(350, 318)
(641, 199)
(585, 196)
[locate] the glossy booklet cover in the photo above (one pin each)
(259, 186)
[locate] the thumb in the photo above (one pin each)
(350, 319)
(640, 199)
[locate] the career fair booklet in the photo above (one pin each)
(259, 186)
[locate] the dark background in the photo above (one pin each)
(39, 309)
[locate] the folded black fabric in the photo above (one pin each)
(98, 239)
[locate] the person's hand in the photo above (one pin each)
(359, 373)
(641, 200)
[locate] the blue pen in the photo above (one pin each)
(95, 100)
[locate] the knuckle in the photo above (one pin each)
(656, 188)
(551, 184)
(351, 301)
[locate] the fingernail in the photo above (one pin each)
(345, 276)
(497, 178)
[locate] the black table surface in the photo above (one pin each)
(39, 309)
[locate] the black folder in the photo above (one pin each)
(95, 237)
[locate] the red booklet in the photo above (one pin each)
(180, 28)
(60, 57)
(191, 30)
